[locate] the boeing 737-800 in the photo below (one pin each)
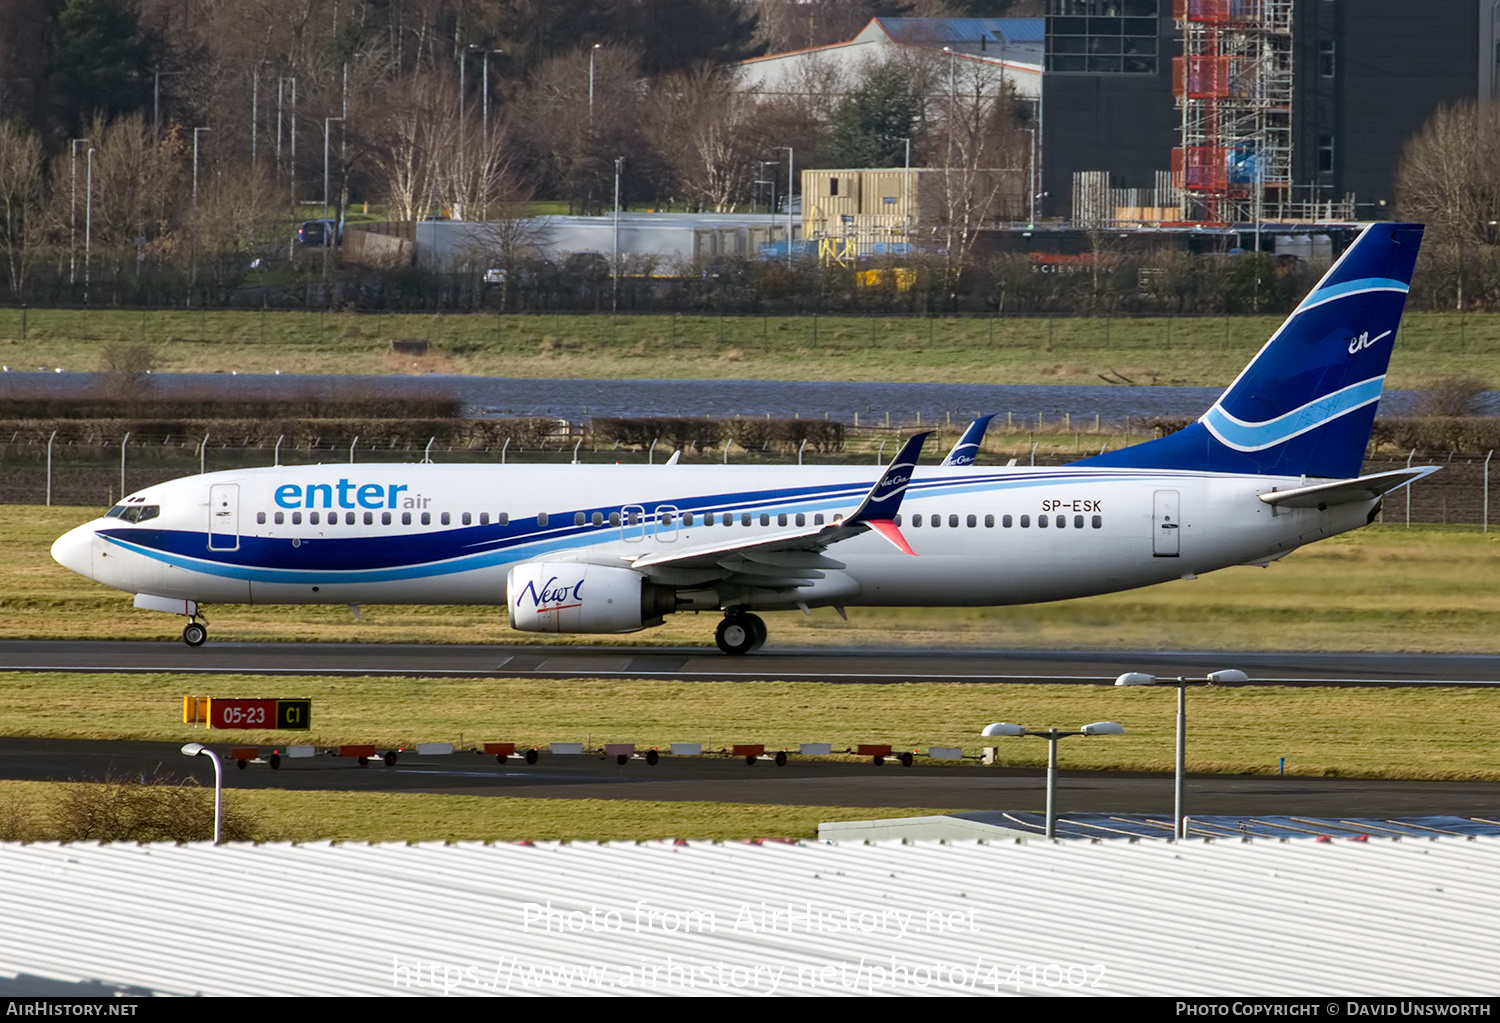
(1273, 465)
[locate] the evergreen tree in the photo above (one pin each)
(871, 127)
(100, 62)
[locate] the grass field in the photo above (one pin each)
(1431, 588)
(1200, 351)
(1238, 730)
(282, 816)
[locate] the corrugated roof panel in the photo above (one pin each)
(1379, 917)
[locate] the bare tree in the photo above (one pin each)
(975, 145)
(20, 200)
(700, 122)
(1449, 178)
(417, 117)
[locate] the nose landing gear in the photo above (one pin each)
(740, 633)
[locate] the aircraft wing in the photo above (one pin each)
(790, 557)
(1364, 488)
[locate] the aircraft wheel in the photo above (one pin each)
(390, 759)
(652, 757)
(275, 761)
(531, 756)
(906, 759)
(194, 634)
(737, 634)
(781, 758)
(759, 626)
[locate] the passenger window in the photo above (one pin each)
(728, 519)
(427, 518)
(503, 519)
(369, 518)
(444, 519)
(484, 518)
(406, 518)
(541, 518)
(385, 518)
(280, 517)
(260, 518)
(898, 518)
(953, 521)
(664, 517)
(312, 518)
(579, 519)
(781, 519)
(1062, 522)
(989, 522)
(1025, 521)
(687, 518)
(745, 519)
(467, 519)
(1041, 521)
(818, 519)
(765, 519)
(296, 518)
(801, 519)
(598, 518)
(614, 518)
(1077, 521)
(1098, 521)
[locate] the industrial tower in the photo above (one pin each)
(1233, 84)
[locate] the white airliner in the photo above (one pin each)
(1273, 465)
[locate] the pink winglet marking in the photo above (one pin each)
(889, 530)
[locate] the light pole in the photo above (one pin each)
(195, 164)
(788, 203)
(906, 197)
(88, 225)
(326, 122)
(1139, 678)
(73, 211)
(487, 54)
(592, 51)
(770, 206)
(1031, 188)
(197, 749)
(1005, 728)
(614, 302)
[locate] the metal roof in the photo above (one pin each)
(1383, 917)
(965, 30)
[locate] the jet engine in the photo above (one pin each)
(555, 596)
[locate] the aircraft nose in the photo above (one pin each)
(74, 551)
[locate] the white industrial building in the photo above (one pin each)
(1383, 917)
(1011, 47)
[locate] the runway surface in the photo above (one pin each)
(812, 664)
(729, 779)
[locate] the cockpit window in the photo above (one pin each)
(134, 513)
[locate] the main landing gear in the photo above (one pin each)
(194, 633)
(740, 633)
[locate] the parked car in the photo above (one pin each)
(319, 232)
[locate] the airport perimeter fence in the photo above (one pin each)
(98, 472)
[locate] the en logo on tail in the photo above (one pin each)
(1304, 406)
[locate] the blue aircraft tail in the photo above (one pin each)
(1306, 403)
(967, 448)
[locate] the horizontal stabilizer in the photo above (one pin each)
(1365, 488)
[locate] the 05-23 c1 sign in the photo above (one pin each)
(268, 714)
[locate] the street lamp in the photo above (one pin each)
(614, 302)
(788, 203)
(73, 211)
(1138, 678)
(1005, 728)
(591, 84)
(197, 749)
(326, 122)
(88, 225)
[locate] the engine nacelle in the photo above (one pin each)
(558, 596)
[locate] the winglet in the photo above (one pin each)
(878, 510)
(967, 448)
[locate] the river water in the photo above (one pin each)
(578, 400)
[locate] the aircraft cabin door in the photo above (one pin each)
(224, 517)
(632, 523)
(1166, 525)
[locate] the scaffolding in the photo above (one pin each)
(1233, 84)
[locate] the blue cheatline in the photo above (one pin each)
(1306, 403)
